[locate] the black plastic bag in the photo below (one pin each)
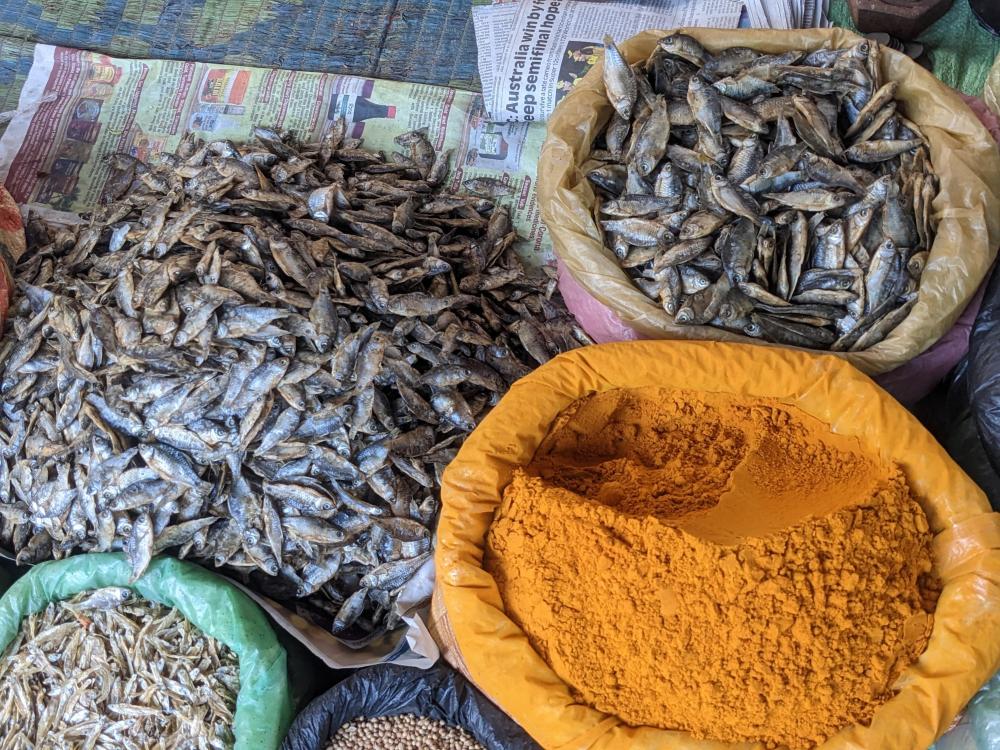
(947, 413)
(389, 690)
(984, 372)
(963, 413)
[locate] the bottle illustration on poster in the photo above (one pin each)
(492, 144)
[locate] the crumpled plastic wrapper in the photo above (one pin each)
(991, 91)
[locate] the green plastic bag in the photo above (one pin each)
(979, 726)
(984, 715)
(209, 602)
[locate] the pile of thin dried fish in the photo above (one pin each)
(263, 356)
(780, 196)
(106, 670)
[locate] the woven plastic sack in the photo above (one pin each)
(209, 602)
(964, 155)
(479, 639)
(909, 382)
(390, 690)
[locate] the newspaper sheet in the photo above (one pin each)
(787, 14)
(532, 52)
(77, 107)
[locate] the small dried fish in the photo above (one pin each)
(765, 200)
(262, 369)
(104, 670)
(619, 80)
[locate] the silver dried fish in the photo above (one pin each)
(790, 180)
(268, 364)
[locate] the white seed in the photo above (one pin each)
(402, 732)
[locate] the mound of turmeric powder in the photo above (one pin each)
(728, 568)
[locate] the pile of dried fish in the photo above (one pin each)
(780, 196)
(105, 670)
(263, 356)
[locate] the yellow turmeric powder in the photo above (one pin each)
(726, 567)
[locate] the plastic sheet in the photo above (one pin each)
(947, 413)
(389, 690)
(984, 372)
(991, 91)
(984, 716)
(263, 706)
(477, 637)
(967, 207)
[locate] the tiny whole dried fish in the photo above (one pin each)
(262, 357)
(129, 673)
(782, 196)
